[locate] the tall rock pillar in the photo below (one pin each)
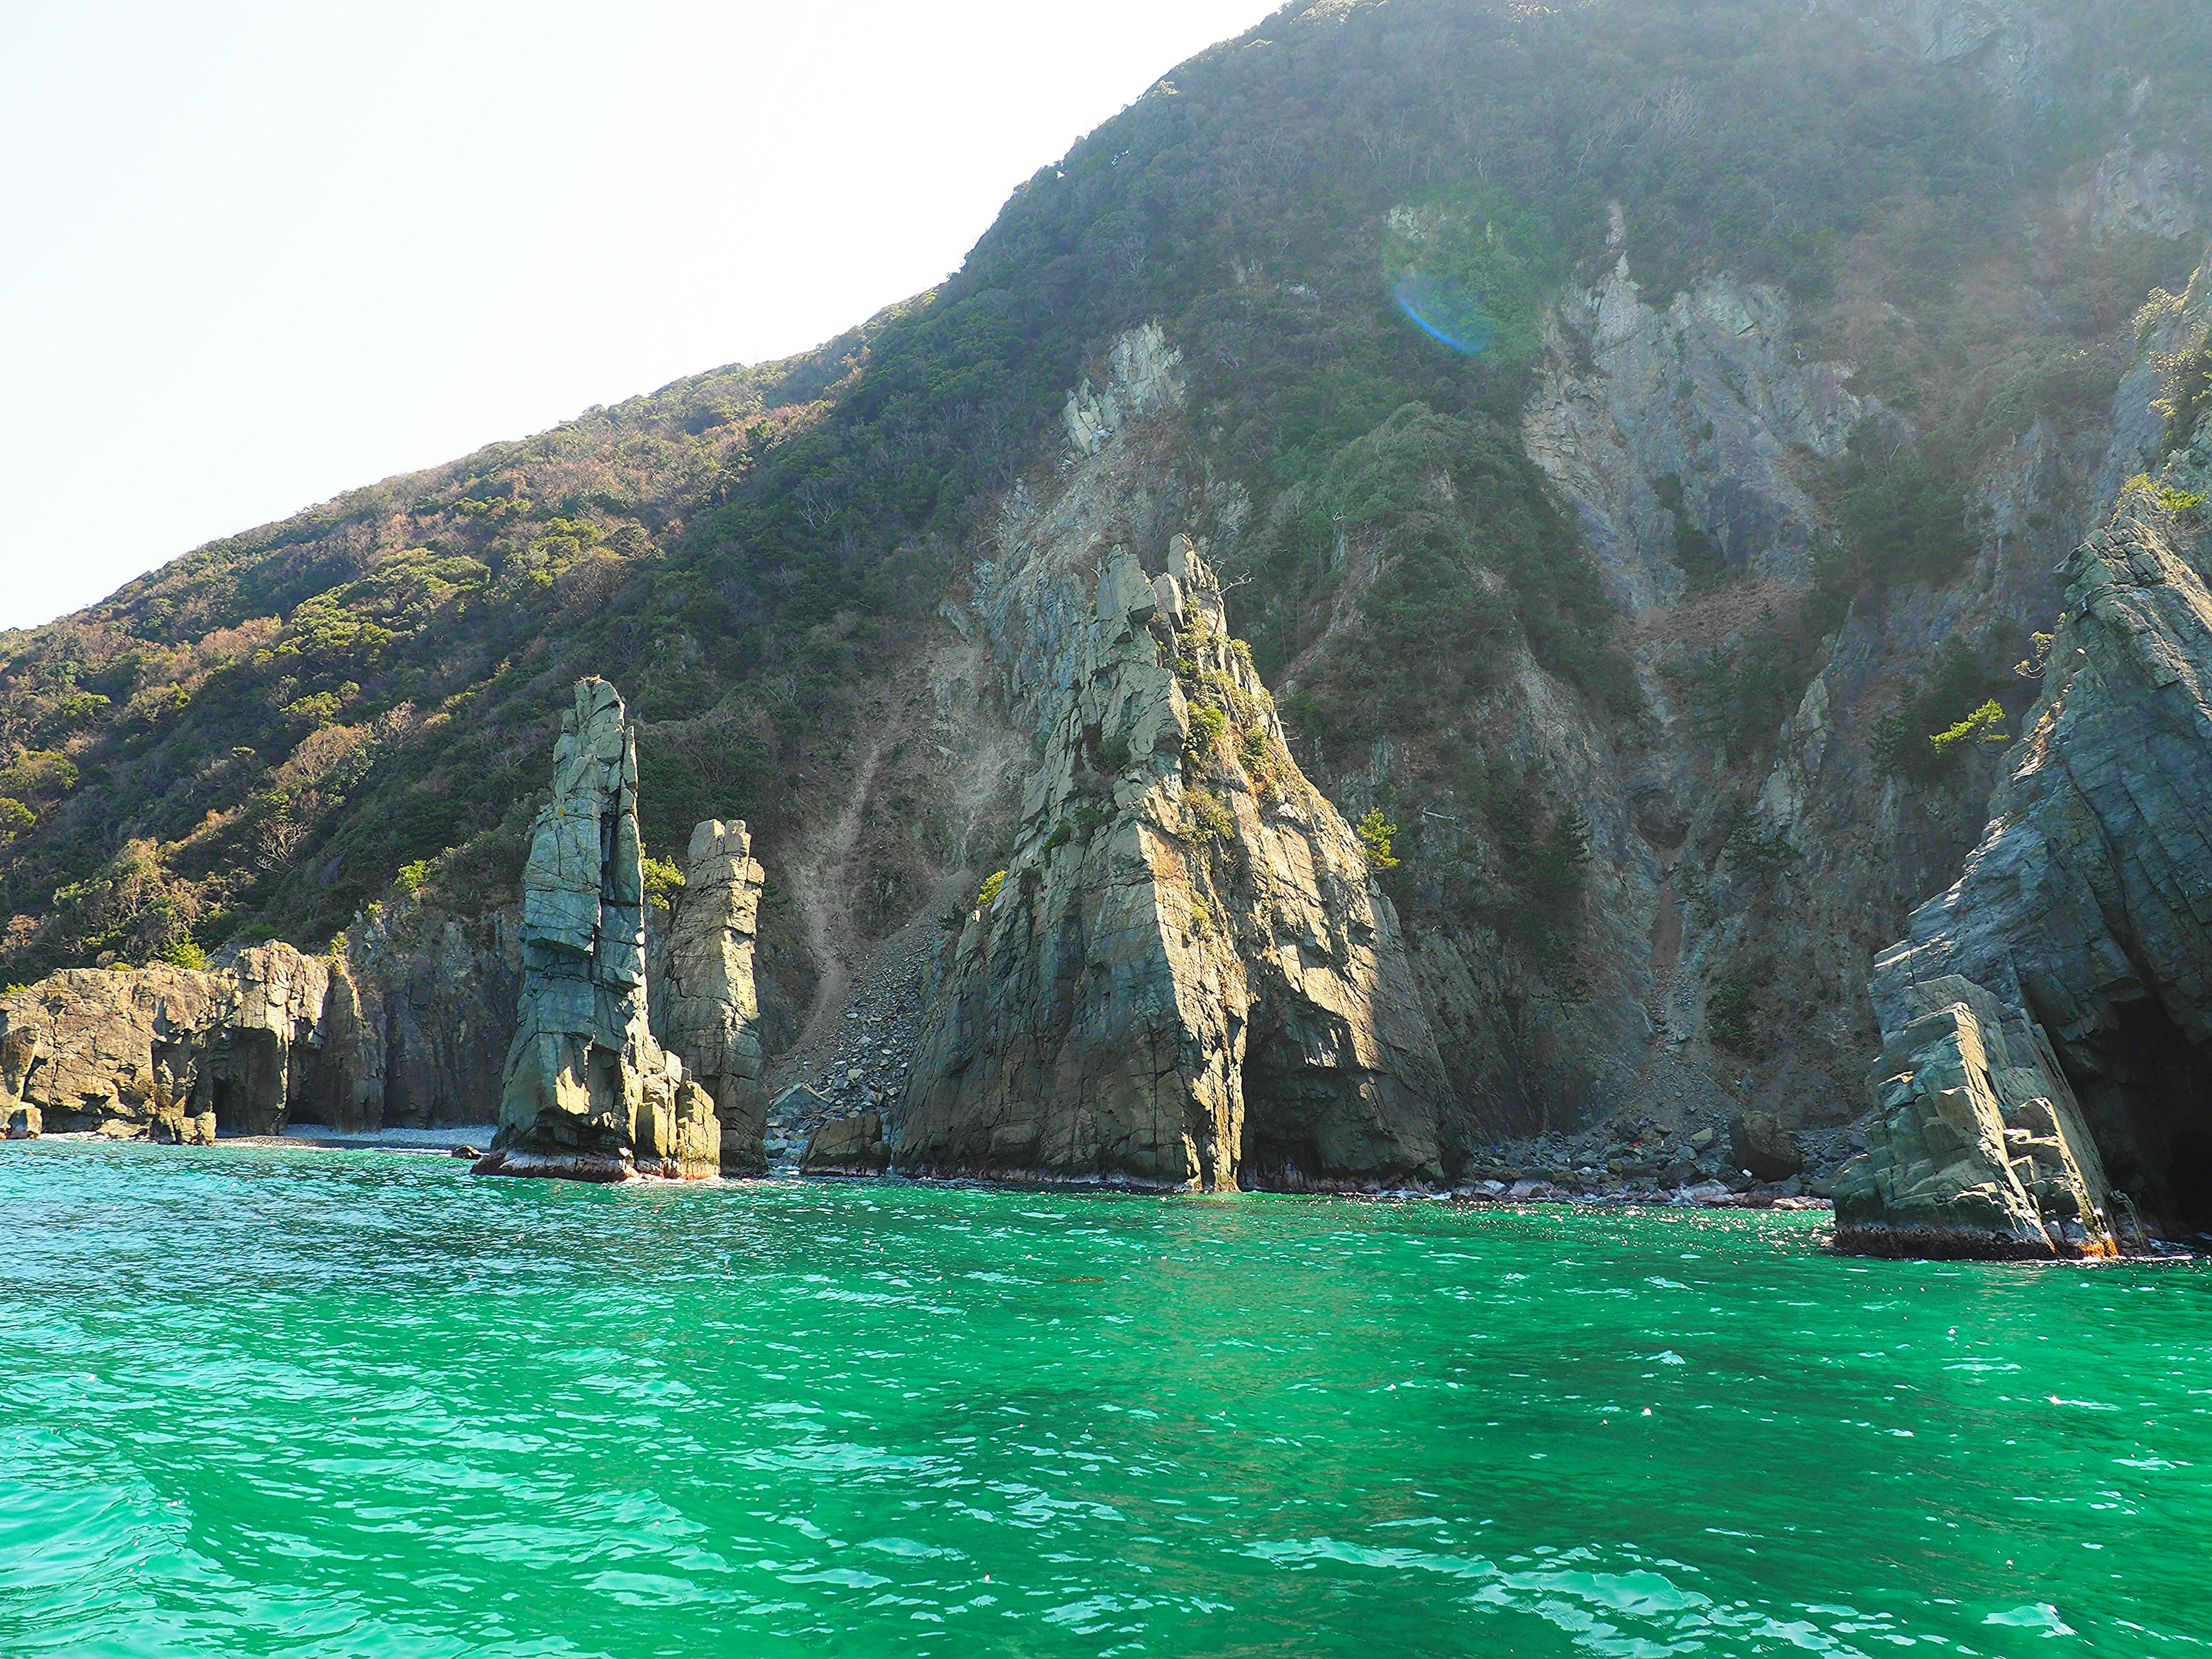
(588, 1092)
(703, 1007)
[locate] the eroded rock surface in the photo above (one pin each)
(588, 1094)
(1977, 1146)
(1189, 977)
(175, 1054)
(847, 1146)
(703, 1005)
(2076, 947)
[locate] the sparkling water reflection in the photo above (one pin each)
(299, 1402)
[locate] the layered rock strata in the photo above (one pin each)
(177, 1055)
(1187, 976)
(2049, 1018)
(588, 1092)
(703, 1003)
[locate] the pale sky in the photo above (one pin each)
(255, 254)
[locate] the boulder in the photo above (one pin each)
(847, 1146)
(1188, 977)
(703, 1003)
(587, 1093)
(1977, 1147)
(1763, 1147)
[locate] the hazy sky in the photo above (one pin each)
(252, 255)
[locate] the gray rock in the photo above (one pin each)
(1759, 1145)
(704, 1006)
(2044, 1021)
(174, 1054)
(1189, 977)
(588, 1092)
(847, 1146)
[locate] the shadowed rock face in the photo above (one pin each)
(1189, 977)
(588, 1094)
(174, 1054)
(2049, 1019)
(703, 1003)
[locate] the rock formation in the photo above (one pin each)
(703, 1003)
(847, 1146)
(2049, 1019)
(588, 1092)
(176, 1054)
(1187, 976)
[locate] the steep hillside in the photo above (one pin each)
(1628, 432)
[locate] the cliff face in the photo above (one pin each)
(1759, 365)
(1187, 975)
(588, 1094)
(2085, 915)
(2080, 926)
(174, 1054)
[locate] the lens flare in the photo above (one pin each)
(1442, 314)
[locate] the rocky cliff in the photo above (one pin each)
(2075, 948)
(1187, 975)
(176, 1054)
(587, 1093)
(1798, 383)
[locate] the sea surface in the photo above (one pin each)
(290, 1400)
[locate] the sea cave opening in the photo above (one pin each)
(2148, 1092)
(1278, 1151)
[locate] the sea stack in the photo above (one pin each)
(1187, 975)
(588, 1093)
(704, 1007)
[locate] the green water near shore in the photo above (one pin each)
(285, 1402)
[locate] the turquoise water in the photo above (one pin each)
(306, 1403)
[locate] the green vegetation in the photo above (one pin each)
(1942, 716)
(1697, 552)
(1740, 694)
(1903, 514)
(1984, 725)
(1473, 270)
(1732, 1013)
(1207, 818)
(258, 736)
(1375, 833)
(1471, 556)
(987, 894)
(663, 881)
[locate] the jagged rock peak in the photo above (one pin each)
(703, 1005)
(588, 1092)
(2078, 939)
(1187, 976)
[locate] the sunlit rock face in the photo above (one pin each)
(1187, 976)
(704, 1007)
(2076, 946)
(587, 1093)
(176, 1054)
